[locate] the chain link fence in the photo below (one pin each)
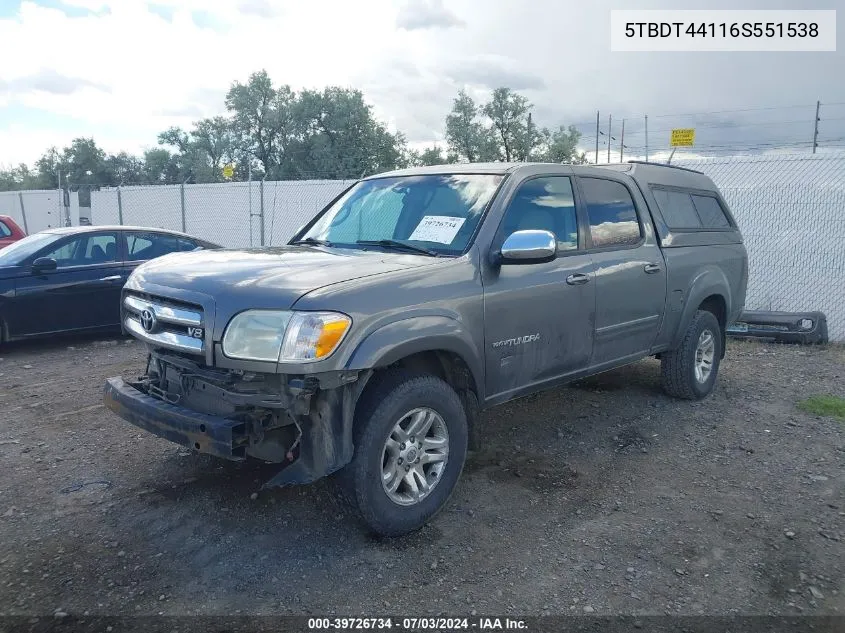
(791, 210)
(235, 214)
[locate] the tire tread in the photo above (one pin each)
(674, 367)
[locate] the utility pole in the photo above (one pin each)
(597, 137)
(59, 219)
(609, 134)
(529, 140)
(622, 142)
(816, 127)
(646, 138)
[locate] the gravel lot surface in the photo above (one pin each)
(604, 497)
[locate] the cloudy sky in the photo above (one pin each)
(123, 70)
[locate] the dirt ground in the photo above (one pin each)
(604, 497)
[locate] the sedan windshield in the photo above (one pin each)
(436, 214)
(18, 251)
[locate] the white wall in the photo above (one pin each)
(224, 213)
(41, 208)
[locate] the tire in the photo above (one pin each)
(395, 395)
(678, 367)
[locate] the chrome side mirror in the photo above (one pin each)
(529, 247)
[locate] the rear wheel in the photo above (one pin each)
(410, 448)
(690, 371)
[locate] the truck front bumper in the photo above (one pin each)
(205, 433)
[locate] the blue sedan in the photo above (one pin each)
(69, 279)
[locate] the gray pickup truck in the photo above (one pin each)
(369, 344)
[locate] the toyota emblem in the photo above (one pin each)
(148, 320)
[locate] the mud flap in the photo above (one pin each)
(325, 443)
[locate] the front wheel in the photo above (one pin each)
(690, 371)
(410, 448)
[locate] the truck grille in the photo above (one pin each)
(165, 323)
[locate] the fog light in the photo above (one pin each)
(806, 324)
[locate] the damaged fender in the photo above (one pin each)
(325, 443)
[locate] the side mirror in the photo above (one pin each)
(43, 265)
(529, 247)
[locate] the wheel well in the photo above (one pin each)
(715, 304)
(451, 368)
(443, 364)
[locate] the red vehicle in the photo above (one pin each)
(9, 231)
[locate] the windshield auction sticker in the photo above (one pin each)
(437, 228)
(722, 30)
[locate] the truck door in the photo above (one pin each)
(538, 318)
(629, 268)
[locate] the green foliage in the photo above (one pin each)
(503, 130)
(559, 146)
(465, 133)
(279, 133)
(20, 177)
(830, 406)
(511, 125)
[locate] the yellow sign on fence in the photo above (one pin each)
(228, 170)
(682, 137)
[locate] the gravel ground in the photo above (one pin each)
(604, 497)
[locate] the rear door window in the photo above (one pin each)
(5, 231)
(144, 246)
(711, 212)
(612, 214)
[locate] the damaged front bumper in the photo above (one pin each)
(205, 433)
(302, 423)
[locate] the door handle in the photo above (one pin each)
(650, 269)
(577, 279)
(112, 278)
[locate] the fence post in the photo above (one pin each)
(184, 219)
(119, 207)
(23, 213)
(261, 209)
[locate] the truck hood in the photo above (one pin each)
(271, 278)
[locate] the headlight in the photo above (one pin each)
(256, 335)
(284, 336)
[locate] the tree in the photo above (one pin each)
(338, 137)
(508, 112)
(560, 146)
(211, 146)
(256, 117)
(465, 134)
(507, 132)
(48, 168)
(160, 166)
(84, 163)
(429, 156)
(20, 177)
(124, 169)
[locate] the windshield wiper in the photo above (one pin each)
(313, 241)
(400, 245)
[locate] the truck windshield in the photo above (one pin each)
(436, 212)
